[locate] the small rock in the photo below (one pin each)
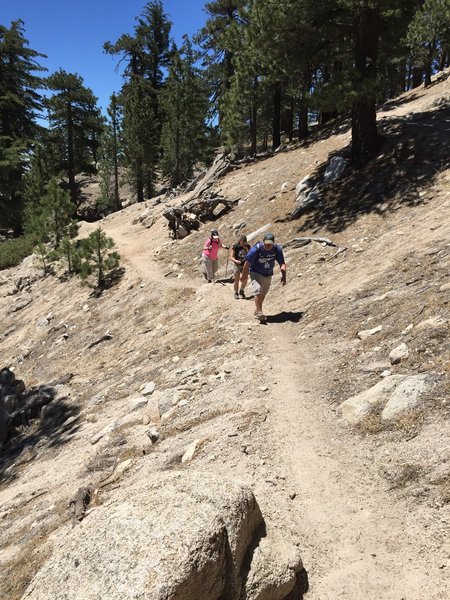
(190, 451)
(148, 388)
(152, 410)
(399, 353)
(153, 434)
(368, 332)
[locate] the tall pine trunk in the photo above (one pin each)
(402, 76)
(417, 77)
(287, 118)
(253, 119)
(276, 115)
(71, 156)
(303, 129)
(365, 138)
(115, 158)
(429, 63)
(139, 179)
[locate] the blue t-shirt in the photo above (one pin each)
(262, 260)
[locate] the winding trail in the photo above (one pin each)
(356, 540)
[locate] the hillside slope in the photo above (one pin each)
(366, 502)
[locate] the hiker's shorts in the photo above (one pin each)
(236, 268)
(260, 284)
(209, 266)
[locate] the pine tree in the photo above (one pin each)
(110, 144)
(96, 256)
(429, 37)
(20, 105)
(75, 121)
(217, 39)
(184, 103)
(140, 136)
(145, 53)
(49, 220)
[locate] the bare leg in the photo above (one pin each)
(236, 282)
(259, 299)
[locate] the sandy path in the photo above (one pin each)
(356, 541)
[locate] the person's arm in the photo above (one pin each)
(231, 256)
(207, 245)
(280, 260)
(244, 275)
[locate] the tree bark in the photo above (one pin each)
(287, 119)
(402, 76)
(276, 134)
(115, 158)
(253, 120)
(303, 129)
(429, 63)
(139, 180)
(417, 77)
(365, 138)
(71, 155)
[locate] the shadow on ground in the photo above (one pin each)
(415, 151)
(285, 317)
(41, 422)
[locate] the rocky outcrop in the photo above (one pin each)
(180, 536)
(390, 399)
(19, 406)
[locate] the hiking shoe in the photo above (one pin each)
(242, 294)
(236, 296)
(260, 316)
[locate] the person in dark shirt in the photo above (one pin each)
(259, 263)
(238, 252)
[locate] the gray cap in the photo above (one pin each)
(269, 238)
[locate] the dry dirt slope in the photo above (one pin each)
(368, 507)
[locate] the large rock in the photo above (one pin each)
(334, 169)
(307, 200)
(179, 536)
(357, 408)
(389, 398)
(405, 398)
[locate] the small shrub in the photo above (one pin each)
(13, 251)
(97, 256)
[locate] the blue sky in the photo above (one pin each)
(72, 34)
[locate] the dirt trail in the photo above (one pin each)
(136, 251)
(356, 540)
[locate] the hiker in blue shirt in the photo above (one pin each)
(259, 262)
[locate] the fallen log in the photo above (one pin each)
(298, 242)
(183, 219)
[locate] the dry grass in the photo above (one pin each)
(371, 425)
(444, 487)
(405, 475)
(410, 422)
